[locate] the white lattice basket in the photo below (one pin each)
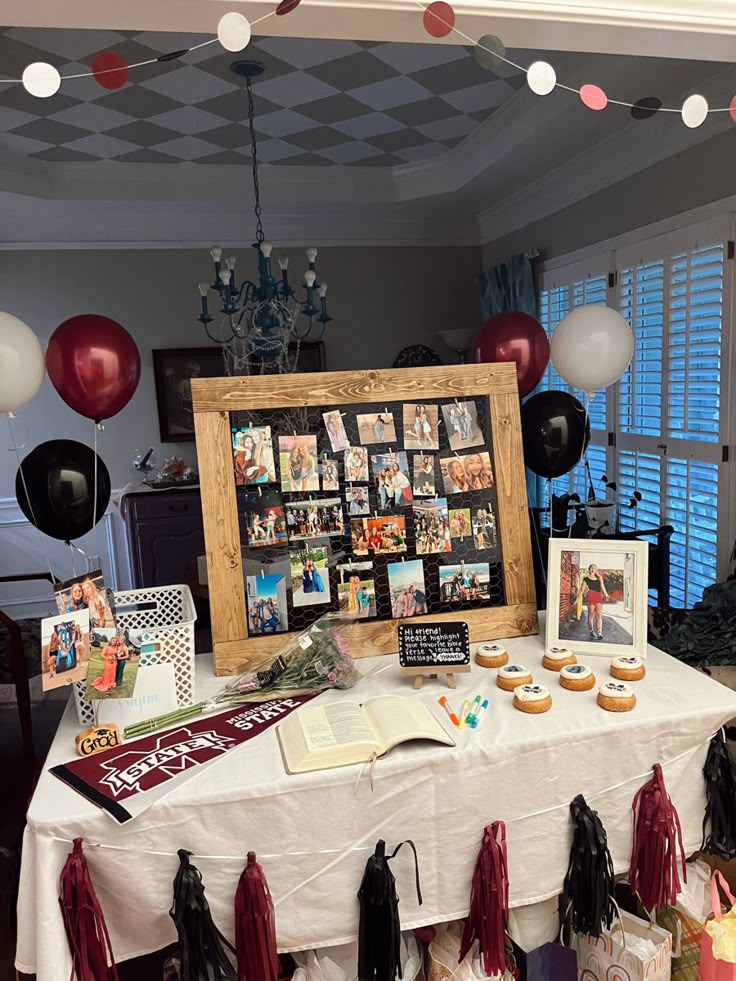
(163, 616)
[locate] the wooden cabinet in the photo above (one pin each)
(165, 536)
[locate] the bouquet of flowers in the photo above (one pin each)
(314, 660)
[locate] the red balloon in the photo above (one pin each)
(518, 337)
(94, 364)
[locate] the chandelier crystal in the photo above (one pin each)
(261, 319)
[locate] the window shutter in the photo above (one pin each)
(640, 389)
(692, 508)
(639, 472)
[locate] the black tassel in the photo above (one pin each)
(201, 945)
(720, 794)
(588, 887)
(379, 938)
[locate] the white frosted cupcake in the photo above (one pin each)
(510, 676)
(555, 658)
(577, 677)
(533, 699)
(614, 696)
(491, 656)
(629, 668)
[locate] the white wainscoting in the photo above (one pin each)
(23, 551)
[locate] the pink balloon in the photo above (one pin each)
(518, 337)
(593, 97)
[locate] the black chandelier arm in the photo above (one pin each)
(219, 340)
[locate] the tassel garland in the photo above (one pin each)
(379, 935)
(588, 887)
(86, 931)
(720, 792)
(657, 835)
(489, 903)
(201, 945)
(255, 926)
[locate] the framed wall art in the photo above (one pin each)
(597, 596)
(459, 550)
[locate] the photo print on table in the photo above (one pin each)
(376, 427)
(113, 665)
(298, 461)
(64, 649)
(406, 585)
(356, 499)
(485, 531)
(384, 535)
(469, 472)
(87, 592)
(310, 577)
(266, 602)
(356, 465)
(461, 422)
(336, 430)
(265, 519)
(431, 526)
(465, 583)
(253, 457)
(460, 526)
(391, 477)
(356, 589)
(421, 426)
(314, 519)
(423, 468)
(329, 472)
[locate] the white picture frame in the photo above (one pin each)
(623, 567)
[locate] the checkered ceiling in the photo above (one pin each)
(319, 102)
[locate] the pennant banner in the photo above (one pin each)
(126, 780)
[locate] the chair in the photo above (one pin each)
(20, 656)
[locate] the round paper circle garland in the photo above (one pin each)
(541, 78)
(234, 31)
(593, 97)
(439, 19)
(694, 111)
(41, 79)
(110, 70)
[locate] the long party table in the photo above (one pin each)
(314, 832)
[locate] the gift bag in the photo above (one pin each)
(550, 962)
(718, 939)
(632, 949)
(339, 963)
(443, 954)
(685, 922)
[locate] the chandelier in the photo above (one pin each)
(260, 320)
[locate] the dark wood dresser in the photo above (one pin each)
(165, 536)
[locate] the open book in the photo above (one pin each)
(322, 736)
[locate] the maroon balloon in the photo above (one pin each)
(515, 337)
(94, 365)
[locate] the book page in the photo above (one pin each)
(339, 724)
(397, 719)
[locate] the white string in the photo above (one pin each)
(364, 848)
(44, 553)
(96, 543)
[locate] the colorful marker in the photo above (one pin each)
(448, 708)
(479, 715)
(464, 712)
(473, 711)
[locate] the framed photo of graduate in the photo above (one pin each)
(597, 596)
(392, 494)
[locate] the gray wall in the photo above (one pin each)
(697, 176)
(382, 299)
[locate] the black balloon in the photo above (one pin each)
(555, 431)
(60, 479)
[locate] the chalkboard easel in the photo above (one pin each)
(427, 650)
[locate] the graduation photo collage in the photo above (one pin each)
(371, 512)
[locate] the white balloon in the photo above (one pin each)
(592, 347)
(541, 78)
(22, 363)
(233, 31)
(41, 79)
(694, 111)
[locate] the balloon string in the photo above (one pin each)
(44, 553)
(94, 500)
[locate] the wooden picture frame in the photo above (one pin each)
(215, 399)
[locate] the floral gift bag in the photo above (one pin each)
(632, 949)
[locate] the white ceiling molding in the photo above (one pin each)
(665, 28)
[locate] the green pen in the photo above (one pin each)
(474, 710)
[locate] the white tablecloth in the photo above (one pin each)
(314, 832)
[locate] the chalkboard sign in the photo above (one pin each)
(434, 648)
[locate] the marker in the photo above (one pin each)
(481, 712)
(448, 708)
(473, 711)
(464, 713)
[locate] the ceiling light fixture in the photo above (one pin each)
(261, 319)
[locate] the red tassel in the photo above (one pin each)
(657, 834)
(489, 902)
(255, 926)
(86, 931)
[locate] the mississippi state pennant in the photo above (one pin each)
(126, 780)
